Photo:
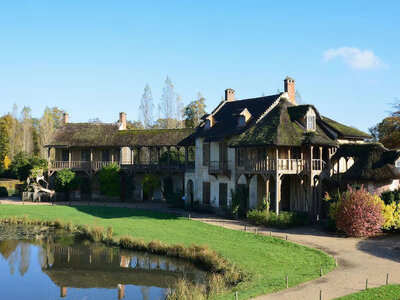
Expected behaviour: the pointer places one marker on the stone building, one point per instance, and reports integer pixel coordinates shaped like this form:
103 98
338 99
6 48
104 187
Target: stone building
265 146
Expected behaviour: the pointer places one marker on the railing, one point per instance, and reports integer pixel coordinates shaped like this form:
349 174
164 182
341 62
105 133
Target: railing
256 165
97 165
319 164
218 166
284 165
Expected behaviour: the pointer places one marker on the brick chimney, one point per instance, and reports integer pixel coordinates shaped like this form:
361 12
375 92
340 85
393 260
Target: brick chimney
122 121
290 89
65 118
229 95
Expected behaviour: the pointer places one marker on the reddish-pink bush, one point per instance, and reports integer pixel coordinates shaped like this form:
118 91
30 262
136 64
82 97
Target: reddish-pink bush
358 213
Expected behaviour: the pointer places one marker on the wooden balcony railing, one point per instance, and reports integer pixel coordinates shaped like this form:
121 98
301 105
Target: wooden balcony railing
284 165
97 165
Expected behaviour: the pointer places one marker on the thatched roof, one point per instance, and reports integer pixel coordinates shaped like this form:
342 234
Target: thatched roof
108 135
372 162
281 128
344 131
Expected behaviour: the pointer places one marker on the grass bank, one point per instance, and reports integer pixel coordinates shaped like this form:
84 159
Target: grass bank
386 292
266 260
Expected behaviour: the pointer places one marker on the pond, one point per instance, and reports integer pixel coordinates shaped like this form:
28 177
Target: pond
38 263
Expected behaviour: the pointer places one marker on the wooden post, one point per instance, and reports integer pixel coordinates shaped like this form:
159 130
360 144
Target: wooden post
112 155
320 158
311 158
366 284
158 156
150 163
236 295
69 158
277 181
387 278
321 273
289 162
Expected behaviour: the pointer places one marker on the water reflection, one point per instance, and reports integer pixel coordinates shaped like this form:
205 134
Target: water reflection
88 270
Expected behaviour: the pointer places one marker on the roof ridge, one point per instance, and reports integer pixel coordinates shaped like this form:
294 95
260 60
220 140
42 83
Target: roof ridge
269 108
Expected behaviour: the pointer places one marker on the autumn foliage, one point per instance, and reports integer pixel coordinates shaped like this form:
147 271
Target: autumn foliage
358 213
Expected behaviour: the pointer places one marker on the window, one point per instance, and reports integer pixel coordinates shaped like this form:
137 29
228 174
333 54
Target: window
207 124
223 153
85 155
206 154
206 193
242 121
65 155
310 122
223 194
105 155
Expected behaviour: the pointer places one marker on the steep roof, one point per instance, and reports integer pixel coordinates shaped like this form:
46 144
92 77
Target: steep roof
343 130
372 162
281 128
108 135
227 114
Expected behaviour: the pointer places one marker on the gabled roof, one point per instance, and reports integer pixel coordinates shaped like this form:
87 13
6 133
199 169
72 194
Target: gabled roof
279 128
372 161
226 117
108 135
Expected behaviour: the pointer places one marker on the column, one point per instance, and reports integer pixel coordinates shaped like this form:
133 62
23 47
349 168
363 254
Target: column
69 158
311 158
277 182
150 163
320 158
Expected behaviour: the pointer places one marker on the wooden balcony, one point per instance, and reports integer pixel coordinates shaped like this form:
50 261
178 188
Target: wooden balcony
220 168
97 165
287 166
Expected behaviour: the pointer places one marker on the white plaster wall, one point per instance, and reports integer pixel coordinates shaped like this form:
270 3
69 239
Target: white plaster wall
201 174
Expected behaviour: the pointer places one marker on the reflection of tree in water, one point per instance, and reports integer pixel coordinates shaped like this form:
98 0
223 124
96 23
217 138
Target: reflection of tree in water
25 258
145 290
16 253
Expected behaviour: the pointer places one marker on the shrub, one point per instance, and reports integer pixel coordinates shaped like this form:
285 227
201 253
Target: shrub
358 213
109 178
150 182
285 219
66 180
391 213
3 191
391 196
22 165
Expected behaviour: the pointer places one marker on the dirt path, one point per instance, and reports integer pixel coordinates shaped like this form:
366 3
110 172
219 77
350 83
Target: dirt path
358 259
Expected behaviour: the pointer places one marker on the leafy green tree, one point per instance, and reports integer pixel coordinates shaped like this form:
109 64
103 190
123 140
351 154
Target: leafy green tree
110 183
194 111
150 182
23 163
388 131
66 180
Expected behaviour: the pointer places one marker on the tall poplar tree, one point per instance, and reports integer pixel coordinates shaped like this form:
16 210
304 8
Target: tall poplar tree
146 108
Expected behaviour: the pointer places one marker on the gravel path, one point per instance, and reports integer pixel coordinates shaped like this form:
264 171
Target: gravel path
358 259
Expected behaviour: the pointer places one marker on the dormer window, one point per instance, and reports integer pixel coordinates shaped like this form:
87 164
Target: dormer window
310 122
242 121
207 124
244 116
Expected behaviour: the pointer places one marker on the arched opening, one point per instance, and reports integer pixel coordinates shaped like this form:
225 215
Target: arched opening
189 191
306 194
242 191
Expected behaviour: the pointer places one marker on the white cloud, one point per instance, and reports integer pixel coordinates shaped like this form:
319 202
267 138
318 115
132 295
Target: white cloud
355 57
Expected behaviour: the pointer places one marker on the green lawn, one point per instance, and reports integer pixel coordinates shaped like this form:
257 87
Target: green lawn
268 260
386 292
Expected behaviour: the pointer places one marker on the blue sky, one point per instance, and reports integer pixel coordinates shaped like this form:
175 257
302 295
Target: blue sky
93 58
